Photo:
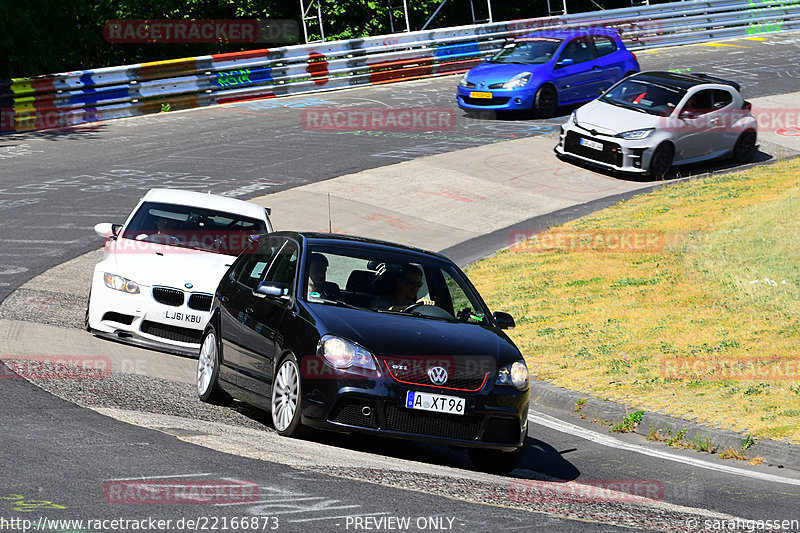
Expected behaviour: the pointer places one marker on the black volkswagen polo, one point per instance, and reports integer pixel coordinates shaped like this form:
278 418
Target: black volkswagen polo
356 335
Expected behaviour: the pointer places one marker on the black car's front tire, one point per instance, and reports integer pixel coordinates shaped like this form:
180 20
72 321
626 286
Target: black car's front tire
208 361
286 394
496 461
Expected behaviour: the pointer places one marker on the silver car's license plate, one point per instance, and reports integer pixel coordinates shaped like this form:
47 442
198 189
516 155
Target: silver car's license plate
588 143
438 403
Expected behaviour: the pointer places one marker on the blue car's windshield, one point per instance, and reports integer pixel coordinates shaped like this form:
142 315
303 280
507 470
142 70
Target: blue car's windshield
644 96
528 51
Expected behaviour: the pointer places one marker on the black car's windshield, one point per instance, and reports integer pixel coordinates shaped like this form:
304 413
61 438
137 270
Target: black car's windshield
390 282
192 227
645 96
528 51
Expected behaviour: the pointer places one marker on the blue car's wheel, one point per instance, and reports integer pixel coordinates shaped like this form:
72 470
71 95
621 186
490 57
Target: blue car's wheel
545 102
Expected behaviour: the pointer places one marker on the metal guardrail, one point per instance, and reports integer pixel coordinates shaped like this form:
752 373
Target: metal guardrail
72 98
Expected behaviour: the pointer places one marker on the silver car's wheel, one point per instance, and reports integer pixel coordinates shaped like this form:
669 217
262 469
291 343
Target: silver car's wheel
208 371
286 391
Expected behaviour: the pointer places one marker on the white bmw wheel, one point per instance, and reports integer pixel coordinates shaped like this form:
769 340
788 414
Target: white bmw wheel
206 363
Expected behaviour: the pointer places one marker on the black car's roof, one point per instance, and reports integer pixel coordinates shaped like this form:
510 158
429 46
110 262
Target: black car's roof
684 81
335 238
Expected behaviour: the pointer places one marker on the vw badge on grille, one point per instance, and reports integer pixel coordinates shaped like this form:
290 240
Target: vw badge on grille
437 375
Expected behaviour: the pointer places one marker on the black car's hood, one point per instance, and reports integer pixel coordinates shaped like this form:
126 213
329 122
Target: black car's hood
403 335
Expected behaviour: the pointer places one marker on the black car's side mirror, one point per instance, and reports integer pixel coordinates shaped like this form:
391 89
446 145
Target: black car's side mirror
272 289
503 320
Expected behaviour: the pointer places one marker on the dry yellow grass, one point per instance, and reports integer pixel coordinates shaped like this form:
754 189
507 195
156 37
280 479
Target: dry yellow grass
618 325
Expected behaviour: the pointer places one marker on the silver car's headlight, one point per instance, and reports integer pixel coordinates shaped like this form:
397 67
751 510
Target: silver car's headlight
514 374
520 80
636 134
118 283
342 354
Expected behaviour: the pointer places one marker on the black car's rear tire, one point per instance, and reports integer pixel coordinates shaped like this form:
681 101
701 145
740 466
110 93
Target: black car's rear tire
496 461
661 162
545 103
745 147
208 361
286 394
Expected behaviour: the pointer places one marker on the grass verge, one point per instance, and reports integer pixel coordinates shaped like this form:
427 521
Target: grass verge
684 301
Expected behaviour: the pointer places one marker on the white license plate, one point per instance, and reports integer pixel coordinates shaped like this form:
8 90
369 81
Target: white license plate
594 145
184 318
435 402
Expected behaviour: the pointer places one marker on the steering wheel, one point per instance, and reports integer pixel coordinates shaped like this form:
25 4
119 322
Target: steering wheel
427 310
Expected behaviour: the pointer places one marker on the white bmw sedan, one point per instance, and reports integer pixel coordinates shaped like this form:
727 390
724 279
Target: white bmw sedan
156 282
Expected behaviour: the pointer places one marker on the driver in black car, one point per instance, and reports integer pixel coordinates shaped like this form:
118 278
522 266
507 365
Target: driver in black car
404 292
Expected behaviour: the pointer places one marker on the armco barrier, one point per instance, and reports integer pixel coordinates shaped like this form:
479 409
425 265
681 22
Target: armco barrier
72 98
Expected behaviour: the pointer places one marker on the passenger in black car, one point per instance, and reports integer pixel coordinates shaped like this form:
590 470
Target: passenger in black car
317 286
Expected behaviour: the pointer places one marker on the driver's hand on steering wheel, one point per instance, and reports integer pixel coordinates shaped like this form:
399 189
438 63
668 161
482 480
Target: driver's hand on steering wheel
426 301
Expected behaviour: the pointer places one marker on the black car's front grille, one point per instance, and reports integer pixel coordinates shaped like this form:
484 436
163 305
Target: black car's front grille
167 296
200 302
434 425
351 412
498 100
465 373
173 333
503 430
118 317
610 154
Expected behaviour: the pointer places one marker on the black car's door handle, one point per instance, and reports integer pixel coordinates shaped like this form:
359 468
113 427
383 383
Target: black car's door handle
249 310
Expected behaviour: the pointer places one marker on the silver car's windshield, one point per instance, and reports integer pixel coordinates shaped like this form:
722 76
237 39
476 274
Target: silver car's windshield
528 51
644 96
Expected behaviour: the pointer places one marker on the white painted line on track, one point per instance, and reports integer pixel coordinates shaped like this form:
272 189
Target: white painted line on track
606 440
158 477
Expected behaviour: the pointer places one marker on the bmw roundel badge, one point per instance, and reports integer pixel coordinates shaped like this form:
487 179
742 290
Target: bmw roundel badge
188 285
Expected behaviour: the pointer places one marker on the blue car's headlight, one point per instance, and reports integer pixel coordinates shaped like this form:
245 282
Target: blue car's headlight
464 83
514 374
636 134
520 80
341 353
118 283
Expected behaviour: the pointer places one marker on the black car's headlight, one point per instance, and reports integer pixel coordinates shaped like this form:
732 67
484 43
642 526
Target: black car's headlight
118 283
515 374
342 354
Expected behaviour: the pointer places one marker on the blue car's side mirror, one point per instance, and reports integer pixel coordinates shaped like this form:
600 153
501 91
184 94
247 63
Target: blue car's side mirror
567 61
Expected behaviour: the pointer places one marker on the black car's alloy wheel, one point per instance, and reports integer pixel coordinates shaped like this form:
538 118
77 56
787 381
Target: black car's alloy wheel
545 102
286 390
208 371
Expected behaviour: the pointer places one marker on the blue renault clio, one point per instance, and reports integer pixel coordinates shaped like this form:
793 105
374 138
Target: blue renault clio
548 69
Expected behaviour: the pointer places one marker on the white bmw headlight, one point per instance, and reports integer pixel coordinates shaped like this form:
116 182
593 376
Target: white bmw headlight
514 374
118 283
341 353
636 134
520 80
574 117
